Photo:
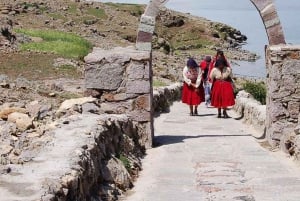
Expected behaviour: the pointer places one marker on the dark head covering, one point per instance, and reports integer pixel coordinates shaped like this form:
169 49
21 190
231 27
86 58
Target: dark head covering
220 52
207 58
220 62
191 63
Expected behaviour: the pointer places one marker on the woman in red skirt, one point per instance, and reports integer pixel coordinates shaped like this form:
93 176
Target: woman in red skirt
219 55
222 95
192 92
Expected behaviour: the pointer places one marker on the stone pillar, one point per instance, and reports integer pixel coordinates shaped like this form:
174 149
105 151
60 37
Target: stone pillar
145 32
122 80
283 94
147 25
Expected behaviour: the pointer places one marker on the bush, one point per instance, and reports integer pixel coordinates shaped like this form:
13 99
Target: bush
125 162
257 90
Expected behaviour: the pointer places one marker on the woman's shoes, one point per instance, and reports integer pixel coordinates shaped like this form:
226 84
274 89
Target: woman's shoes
225 115
196 112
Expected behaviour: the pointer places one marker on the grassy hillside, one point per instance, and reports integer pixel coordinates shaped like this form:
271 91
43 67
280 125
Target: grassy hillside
44 30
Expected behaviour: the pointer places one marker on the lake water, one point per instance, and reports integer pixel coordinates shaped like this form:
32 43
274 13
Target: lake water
242 15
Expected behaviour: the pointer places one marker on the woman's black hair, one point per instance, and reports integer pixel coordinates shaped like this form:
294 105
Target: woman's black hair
221 62
220 52
191 63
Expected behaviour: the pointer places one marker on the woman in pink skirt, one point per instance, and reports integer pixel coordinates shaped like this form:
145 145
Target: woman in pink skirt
222 95
192 92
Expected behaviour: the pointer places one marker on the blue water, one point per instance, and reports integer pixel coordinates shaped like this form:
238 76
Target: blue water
242 15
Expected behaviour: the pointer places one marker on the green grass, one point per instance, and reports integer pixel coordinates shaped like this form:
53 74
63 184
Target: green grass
57 16
64 44
193 43
158 83
29 5
99 13
125 162
257 90
191 37
133 9
88 20
66 69
35 66
72 8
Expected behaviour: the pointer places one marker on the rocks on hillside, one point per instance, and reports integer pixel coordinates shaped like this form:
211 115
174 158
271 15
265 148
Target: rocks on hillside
7 37
233 36
169 19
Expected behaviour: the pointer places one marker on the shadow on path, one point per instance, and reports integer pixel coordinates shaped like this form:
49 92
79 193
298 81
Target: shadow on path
204 115
171 139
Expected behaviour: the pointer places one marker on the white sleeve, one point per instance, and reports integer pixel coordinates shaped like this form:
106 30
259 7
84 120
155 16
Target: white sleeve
184 72
227 73
199 78
212 74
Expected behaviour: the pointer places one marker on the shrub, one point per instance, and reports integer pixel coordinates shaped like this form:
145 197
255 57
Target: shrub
125 162
257 90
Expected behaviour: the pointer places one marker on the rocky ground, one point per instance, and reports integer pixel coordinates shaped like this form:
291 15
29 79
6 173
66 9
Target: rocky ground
33 86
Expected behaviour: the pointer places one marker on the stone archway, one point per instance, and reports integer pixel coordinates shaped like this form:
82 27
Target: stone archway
266 9
283 72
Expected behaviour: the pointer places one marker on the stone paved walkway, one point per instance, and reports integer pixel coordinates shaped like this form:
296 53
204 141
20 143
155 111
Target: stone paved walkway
203 158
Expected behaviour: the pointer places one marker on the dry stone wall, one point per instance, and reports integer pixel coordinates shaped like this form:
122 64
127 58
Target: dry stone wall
90 157
121 79
85 154
283 95
251 111
163 97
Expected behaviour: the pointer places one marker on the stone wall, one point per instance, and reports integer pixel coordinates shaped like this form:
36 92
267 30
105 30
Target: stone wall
107 155
283 94
121 79
92 157
86 155
163 97
251 112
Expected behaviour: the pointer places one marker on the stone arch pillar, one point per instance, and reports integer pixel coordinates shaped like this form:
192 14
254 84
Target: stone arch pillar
268 13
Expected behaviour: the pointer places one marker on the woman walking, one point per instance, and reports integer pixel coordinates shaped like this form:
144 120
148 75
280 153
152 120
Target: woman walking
222 95
192 92
219 55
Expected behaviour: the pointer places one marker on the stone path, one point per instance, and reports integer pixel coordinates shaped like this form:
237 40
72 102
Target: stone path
209 159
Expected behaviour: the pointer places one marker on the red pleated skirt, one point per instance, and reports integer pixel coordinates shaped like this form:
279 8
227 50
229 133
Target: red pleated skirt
222 94
191 96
